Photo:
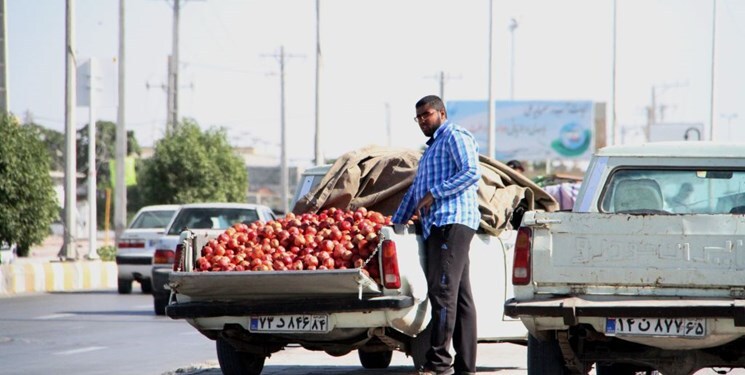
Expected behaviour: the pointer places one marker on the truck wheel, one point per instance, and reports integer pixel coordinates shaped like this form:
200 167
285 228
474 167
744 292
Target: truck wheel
544 357
160 303
124 286
146 286
233 362
375 359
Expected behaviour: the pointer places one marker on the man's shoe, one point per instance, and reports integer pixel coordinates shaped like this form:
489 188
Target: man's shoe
447 371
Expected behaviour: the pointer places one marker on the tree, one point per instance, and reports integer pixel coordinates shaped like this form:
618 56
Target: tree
28 203
190 166
54 143
105 152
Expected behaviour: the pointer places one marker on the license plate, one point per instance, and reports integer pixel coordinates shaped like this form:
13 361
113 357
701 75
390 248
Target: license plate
678 327
290 323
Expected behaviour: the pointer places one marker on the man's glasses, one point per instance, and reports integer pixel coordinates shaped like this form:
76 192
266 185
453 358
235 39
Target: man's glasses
423 116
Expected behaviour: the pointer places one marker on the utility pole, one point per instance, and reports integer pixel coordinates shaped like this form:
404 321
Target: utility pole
613 77
652 109
713 68
491 148
283 163
512 27
318 157
441 78
173 72
4 101
120 147
70 232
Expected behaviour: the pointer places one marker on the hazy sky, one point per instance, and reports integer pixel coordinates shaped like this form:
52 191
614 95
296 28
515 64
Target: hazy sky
379 58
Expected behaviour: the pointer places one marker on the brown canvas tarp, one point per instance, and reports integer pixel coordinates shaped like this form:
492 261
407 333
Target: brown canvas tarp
377 178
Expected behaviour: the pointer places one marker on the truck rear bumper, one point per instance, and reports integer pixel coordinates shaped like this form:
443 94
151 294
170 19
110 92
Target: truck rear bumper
210 309
570 309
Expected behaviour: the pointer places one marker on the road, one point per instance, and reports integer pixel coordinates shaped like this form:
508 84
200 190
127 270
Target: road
102 332
92 333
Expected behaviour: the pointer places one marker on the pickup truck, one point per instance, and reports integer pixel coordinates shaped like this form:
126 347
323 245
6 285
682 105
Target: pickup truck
638 277
253 314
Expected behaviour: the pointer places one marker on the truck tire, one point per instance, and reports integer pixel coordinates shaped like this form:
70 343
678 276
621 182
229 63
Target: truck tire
159 303
124 286
544 357
375 359
233 362
146 286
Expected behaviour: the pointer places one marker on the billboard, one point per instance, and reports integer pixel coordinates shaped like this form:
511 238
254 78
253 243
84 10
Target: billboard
530 130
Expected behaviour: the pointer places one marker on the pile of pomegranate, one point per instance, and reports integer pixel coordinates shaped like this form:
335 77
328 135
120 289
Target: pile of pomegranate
331 239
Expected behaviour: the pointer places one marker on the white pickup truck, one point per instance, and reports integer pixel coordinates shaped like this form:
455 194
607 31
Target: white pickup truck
336 311
647 273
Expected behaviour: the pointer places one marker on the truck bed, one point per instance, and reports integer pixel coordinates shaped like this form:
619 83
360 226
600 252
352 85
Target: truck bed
250 285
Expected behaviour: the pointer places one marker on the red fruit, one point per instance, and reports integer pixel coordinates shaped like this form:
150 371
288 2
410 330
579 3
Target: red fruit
329 263
219 250
223 238
327 245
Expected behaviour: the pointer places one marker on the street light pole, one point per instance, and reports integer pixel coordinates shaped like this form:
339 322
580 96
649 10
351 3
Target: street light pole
512 27
489 104
713 68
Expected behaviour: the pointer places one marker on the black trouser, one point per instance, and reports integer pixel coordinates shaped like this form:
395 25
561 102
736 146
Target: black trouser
453 308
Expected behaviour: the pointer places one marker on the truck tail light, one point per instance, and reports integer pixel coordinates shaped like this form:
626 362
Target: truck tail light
164 256
391 277
178 262
521 262
131 244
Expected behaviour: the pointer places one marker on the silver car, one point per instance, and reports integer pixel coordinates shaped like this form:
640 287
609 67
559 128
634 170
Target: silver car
135 248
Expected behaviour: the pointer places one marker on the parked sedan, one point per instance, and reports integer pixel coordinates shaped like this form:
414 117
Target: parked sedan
135 248
199 217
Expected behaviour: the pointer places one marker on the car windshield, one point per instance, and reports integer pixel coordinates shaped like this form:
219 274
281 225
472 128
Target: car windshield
211 218
680 191
152 219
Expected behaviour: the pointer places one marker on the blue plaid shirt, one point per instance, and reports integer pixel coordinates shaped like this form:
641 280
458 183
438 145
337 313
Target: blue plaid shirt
449 169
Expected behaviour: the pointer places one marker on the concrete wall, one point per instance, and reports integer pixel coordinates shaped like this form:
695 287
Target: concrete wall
34 277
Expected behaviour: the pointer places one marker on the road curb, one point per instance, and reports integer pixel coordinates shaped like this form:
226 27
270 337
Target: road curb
56 276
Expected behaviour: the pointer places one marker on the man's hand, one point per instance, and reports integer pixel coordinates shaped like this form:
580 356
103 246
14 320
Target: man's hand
422 208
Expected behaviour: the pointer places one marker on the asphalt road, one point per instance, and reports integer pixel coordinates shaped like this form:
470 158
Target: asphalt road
91 333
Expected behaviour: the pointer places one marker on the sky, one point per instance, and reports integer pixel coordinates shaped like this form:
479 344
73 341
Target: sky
378 59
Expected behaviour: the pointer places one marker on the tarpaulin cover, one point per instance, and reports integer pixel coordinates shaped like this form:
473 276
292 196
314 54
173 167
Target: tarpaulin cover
377 178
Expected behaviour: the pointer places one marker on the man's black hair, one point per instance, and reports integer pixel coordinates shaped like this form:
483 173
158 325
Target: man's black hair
433 101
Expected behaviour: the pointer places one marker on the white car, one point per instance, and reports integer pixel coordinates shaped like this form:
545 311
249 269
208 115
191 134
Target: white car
212 218
135 248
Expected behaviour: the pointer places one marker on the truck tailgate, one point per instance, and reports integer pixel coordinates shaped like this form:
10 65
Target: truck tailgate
615 251
245 285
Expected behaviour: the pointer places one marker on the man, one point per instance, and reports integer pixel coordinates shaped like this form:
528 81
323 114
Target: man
444 196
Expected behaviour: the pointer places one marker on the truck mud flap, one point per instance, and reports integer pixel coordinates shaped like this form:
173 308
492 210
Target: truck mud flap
279 306
250 285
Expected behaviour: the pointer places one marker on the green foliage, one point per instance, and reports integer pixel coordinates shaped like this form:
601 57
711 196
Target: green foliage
54 142
105 151
107 253
191 166
28 203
